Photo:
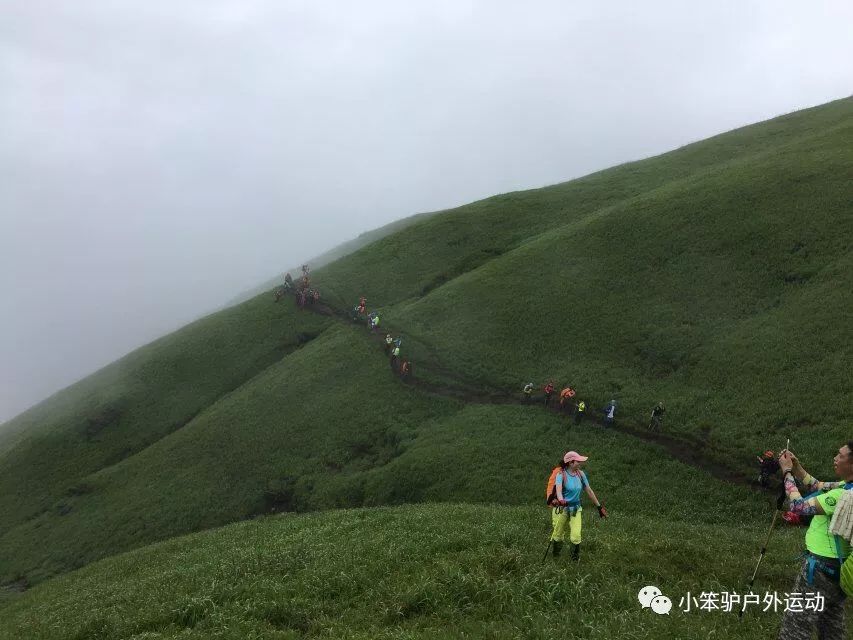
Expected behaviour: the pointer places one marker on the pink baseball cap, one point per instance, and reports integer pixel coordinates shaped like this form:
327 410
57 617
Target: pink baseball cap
572 456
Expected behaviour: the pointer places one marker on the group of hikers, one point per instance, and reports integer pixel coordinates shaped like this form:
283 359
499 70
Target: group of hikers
400 366
359 313
569 404
826 508
303 293
306 296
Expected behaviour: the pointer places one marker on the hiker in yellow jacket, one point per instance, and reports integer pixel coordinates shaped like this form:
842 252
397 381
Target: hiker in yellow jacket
580 411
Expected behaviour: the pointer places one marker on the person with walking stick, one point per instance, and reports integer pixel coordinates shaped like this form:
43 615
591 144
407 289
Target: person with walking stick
779 502
820 571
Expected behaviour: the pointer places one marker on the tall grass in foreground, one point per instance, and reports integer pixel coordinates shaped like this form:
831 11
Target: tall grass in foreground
429 571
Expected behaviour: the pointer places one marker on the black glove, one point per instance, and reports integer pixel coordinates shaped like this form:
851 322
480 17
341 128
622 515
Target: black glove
602 512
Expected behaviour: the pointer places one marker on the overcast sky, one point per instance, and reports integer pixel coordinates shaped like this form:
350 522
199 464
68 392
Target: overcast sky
158 158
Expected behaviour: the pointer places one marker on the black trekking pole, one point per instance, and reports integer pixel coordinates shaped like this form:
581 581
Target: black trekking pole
761 555
547 549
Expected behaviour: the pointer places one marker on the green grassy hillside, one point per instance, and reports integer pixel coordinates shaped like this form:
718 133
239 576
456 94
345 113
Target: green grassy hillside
296 438
430 571
716 277
727 293
48 452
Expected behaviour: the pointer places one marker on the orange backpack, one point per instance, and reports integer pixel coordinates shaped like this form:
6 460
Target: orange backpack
551 488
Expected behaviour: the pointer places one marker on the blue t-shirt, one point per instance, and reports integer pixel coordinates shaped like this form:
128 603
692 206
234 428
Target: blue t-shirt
572 486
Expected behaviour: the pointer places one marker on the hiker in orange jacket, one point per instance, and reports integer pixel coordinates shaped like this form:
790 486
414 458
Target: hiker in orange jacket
565 396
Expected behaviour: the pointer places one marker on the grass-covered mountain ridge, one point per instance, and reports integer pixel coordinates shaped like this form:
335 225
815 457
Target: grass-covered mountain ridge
717 277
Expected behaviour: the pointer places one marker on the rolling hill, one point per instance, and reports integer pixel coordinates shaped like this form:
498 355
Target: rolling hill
716 277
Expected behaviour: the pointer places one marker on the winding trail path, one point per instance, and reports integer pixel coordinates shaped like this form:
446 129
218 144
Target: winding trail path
692 452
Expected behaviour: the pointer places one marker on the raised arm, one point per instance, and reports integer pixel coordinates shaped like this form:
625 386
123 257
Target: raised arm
797 503
809 482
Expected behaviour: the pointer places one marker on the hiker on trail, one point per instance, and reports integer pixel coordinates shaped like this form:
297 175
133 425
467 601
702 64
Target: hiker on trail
657 416
362 303
827 544
388 342
610 413
767 467
316 296
405 369
563 495
565 395
373 321
282 290
528 392
395 357
549 390
398 341
580 411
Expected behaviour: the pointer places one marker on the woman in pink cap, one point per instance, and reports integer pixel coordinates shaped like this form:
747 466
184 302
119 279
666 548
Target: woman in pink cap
565 501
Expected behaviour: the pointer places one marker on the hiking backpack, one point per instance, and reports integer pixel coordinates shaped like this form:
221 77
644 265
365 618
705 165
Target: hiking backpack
551 487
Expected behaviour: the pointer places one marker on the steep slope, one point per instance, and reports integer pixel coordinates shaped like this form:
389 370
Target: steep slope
728 293
294 438
126 407
425 255
716 277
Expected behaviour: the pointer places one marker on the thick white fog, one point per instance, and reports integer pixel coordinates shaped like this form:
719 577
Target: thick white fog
158 158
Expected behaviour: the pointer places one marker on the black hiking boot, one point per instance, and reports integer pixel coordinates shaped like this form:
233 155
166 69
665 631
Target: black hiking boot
557 547
576 552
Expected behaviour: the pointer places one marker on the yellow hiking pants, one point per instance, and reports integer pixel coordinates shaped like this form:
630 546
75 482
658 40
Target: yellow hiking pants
559 517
